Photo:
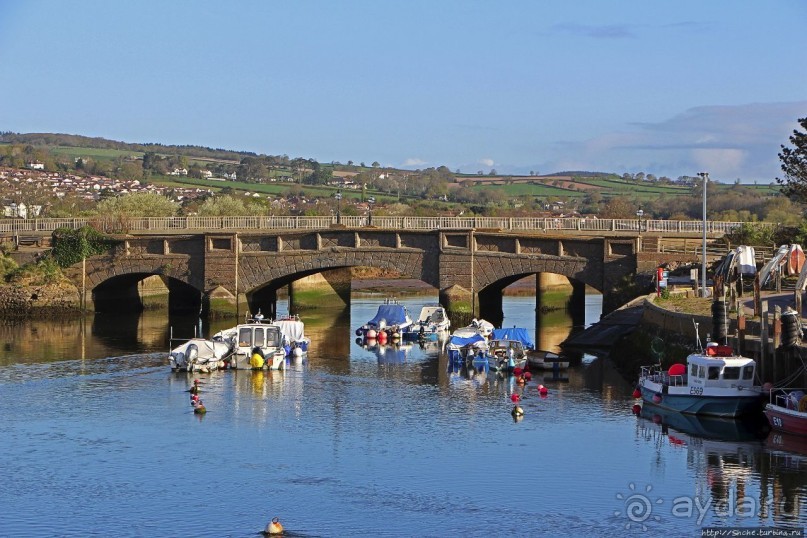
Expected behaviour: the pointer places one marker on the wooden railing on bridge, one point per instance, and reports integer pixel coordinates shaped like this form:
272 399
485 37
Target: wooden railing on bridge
248 223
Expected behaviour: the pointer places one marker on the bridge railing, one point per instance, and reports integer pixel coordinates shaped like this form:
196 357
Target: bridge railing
257 222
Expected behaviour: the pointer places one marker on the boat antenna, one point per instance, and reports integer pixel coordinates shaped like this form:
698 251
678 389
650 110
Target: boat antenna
697 336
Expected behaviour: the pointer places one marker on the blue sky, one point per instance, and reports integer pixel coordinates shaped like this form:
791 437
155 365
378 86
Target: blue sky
669 88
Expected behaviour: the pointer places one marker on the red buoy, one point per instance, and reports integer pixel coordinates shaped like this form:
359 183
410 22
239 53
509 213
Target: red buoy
527 376
637 409
637 393
517 371
543 390
515 398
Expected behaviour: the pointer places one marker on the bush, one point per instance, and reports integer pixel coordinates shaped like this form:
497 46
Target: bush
43 271
71 246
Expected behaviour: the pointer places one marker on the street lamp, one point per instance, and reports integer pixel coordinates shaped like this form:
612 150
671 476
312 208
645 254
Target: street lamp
640 214
704 180
370 202
338 197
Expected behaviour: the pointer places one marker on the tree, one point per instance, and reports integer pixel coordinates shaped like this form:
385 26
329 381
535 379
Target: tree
794 165
138 205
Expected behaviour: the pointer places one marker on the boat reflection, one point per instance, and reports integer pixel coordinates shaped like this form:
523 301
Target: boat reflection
753 428
393 353
734 462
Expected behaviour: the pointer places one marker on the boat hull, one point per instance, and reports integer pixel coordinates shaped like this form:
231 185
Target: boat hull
716 406
786 420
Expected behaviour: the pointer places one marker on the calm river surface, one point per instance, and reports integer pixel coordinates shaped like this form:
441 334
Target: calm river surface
97 438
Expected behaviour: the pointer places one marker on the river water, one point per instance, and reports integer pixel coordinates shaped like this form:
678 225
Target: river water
98 439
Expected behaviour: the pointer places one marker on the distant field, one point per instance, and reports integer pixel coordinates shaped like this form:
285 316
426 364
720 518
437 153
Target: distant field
97 154
279 189
526 189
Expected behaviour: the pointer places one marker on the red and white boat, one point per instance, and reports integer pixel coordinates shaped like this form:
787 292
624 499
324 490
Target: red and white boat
787 410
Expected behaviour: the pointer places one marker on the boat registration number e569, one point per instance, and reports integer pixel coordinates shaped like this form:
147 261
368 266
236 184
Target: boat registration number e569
696 391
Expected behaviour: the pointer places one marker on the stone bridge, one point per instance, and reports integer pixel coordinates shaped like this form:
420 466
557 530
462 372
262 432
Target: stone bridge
234 271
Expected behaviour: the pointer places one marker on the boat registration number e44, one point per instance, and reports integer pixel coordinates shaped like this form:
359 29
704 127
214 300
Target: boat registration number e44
696 391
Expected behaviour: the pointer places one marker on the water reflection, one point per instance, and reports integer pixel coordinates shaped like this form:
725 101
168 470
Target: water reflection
332 426
736 472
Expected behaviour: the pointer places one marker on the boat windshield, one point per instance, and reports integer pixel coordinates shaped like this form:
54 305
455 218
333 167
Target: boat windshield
260 338
245 337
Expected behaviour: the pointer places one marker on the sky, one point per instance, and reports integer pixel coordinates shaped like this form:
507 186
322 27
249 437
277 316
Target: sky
519 86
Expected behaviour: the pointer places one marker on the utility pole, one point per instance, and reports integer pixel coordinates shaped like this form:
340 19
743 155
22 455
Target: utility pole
704 180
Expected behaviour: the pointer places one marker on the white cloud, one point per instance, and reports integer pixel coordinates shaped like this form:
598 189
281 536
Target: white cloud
414 161
486 162
729 142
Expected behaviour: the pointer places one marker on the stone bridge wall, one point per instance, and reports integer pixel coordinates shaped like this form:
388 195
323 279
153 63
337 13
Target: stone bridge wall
469 260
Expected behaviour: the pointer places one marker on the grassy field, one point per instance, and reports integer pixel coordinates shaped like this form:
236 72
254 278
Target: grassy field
526 189
97 154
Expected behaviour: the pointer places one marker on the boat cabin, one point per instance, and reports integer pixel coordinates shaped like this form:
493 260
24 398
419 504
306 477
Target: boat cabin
502 348
252 335
729 372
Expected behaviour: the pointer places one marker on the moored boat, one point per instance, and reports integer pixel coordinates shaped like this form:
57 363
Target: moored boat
256 344
295 343
199 355
506 355
477 326
787 411
431 322
467 348
715 381
540 359
391 319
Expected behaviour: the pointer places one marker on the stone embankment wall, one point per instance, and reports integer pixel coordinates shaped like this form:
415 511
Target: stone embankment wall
43 301
679 323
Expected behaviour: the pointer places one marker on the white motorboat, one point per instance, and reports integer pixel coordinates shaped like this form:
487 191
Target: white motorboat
477 326
256 344
199 355
432 321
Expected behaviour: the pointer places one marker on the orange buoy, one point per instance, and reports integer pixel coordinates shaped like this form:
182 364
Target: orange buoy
274 527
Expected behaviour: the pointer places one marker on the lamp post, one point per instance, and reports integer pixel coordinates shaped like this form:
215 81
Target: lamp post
704 180
338 197
640 214
370 202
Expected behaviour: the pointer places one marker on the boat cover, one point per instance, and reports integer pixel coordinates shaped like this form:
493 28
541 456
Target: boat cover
461 341
293 330
390 314
514 333
746 262
773 265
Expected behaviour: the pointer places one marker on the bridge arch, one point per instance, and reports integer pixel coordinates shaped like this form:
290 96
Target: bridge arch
136 291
